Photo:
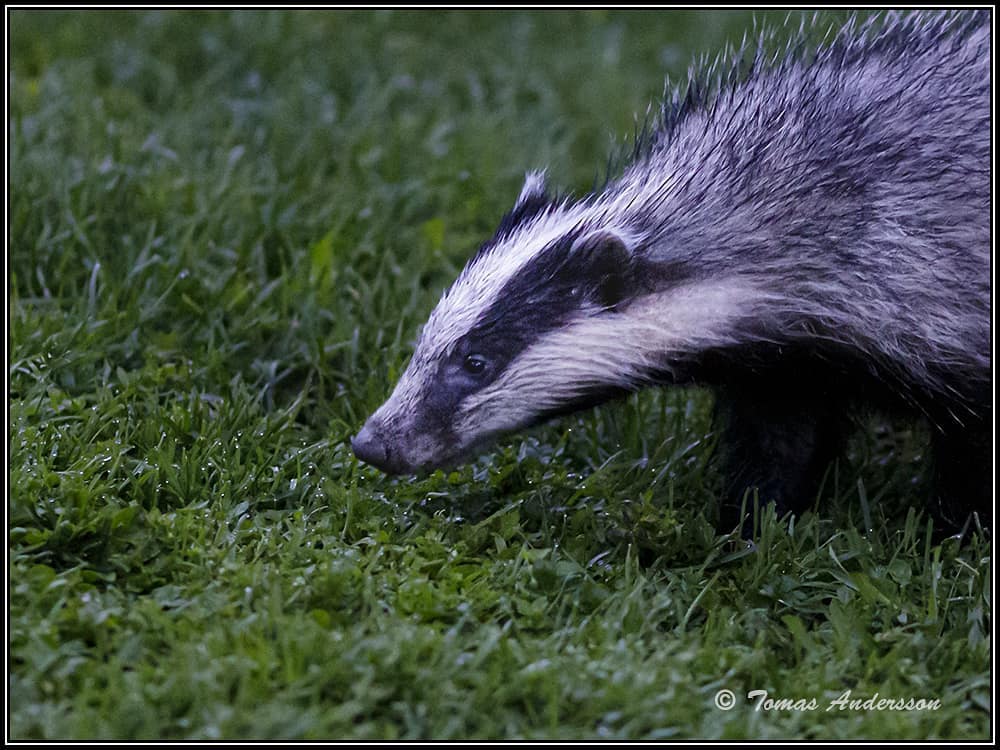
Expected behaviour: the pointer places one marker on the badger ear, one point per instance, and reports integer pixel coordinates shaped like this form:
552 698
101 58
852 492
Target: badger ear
533 190
604 256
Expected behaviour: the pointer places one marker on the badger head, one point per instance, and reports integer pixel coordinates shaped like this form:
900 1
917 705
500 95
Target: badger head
557 312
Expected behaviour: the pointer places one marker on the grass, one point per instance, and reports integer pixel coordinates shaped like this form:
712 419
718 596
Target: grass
225 229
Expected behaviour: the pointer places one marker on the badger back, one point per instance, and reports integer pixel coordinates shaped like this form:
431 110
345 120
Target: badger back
852 183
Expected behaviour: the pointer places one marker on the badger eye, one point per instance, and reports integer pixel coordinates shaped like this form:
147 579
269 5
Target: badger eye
474 364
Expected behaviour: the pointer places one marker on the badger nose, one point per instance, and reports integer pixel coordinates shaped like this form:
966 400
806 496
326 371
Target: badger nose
369 446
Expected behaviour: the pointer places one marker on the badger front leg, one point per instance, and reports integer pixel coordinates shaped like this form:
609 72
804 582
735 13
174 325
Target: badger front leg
775 446
962 460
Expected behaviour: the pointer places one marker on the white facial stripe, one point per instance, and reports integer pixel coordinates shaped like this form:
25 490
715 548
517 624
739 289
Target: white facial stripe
610 350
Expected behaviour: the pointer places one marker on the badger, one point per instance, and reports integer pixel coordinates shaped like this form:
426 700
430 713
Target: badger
807 233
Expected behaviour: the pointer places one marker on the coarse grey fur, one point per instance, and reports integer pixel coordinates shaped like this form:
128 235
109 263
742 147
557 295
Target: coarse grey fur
808 233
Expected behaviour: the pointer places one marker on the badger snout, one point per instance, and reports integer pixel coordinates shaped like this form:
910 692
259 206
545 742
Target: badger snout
371 446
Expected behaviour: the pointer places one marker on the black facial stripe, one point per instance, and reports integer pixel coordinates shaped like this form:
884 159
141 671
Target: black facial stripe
548 292
541 297
436 411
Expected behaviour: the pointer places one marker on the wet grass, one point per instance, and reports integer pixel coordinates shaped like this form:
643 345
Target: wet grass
225 229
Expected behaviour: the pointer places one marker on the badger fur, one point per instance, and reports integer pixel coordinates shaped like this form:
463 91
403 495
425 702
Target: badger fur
807 234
